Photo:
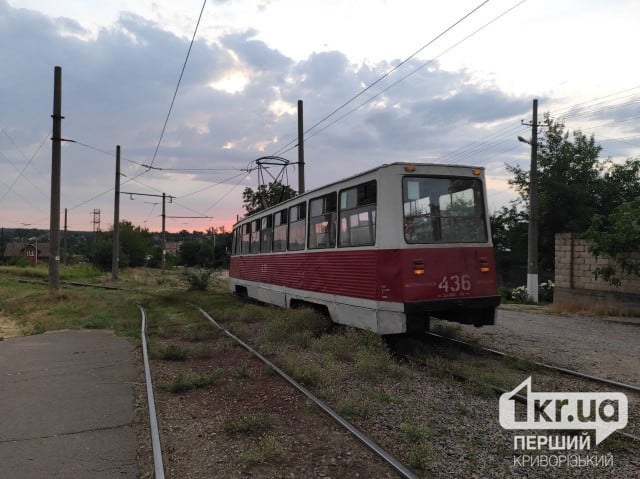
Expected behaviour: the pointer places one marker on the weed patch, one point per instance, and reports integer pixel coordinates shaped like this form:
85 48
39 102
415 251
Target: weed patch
420 456
267 451
351 408
253 424
189 381
173 353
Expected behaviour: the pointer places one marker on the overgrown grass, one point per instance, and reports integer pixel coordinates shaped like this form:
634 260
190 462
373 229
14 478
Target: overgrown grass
420 456
172 352
310 374
201 330
268 450
189 381
355 407
253 424
303 324
448 330
420 451
35 310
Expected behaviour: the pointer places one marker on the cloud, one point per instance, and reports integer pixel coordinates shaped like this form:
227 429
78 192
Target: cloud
117 89
255 53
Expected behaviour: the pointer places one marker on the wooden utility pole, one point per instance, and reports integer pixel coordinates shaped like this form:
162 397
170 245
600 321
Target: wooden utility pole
115 255
54 224
300 149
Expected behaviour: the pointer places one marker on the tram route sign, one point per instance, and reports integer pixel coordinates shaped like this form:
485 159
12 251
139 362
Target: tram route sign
603 412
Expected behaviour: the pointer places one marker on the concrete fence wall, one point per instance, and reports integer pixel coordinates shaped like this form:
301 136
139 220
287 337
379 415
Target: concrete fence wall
576 284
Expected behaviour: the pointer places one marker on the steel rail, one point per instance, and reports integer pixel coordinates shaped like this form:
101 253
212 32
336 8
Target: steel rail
153 421
388 458
550 367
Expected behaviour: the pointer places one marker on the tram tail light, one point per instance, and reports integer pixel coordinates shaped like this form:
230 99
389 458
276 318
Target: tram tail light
484 265
418 268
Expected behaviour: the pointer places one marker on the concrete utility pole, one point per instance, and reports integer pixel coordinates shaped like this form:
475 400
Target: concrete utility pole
115 256
164 197
300 149
64 240
532 251
164 239
54 224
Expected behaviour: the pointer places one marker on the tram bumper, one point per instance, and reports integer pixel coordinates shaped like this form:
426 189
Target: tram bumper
479 311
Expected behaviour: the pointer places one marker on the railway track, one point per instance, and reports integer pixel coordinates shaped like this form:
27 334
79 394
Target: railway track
446 440
158 465
549 367
159 472
476 349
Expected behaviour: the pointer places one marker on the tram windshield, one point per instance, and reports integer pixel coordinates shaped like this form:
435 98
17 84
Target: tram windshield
443 210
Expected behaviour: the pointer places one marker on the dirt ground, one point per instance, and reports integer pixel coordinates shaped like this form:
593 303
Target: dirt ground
251 423
607 347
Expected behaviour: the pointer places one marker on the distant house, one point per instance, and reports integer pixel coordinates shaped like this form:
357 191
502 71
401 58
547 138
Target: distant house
172 247
34 252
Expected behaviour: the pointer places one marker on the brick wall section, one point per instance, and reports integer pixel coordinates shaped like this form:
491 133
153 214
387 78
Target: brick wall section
574 280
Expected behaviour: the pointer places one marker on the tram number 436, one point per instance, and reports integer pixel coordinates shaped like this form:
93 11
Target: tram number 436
453 283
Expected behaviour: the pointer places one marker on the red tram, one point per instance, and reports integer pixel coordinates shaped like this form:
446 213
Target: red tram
383 250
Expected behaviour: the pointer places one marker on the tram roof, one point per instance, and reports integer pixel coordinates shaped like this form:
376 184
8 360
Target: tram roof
349 178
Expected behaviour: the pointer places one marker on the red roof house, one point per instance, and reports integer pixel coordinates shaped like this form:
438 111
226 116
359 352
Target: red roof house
34 252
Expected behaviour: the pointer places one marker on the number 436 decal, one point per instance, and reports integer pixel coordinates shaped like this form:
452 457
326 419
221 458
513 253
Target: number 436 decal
454 283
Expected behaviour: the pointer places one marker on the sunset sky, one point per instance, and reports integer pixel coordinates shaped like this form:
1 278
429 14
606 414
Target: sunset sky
460 99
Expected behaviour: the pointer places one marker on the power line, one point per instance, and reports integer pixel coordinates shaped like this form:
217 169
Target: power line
213 185
413 72
175 93
561 110
20 173
437 37
224 196
470 150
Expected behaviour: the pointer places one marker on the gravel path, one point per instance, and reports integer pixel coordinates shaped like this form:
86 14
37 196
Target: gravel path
602 346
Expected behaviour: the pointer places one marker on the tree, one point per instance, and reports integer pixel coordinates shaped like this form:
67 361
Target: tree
620 185
195 253
618 237
135 245
266 196
569 185
509 229
574 186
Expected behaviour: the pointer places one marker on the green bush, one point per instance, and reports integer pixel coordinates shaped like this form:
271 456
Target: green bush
519 294
20 261
198 280
545 292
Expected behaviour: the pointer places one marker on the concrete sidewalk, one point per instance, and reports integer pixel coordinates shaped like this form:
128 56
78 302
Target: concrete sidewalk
67 406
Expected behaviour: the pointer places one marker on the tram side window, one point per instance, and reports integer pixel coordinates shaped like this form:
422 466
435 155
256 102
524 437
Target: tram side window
322 222
238 242
266 234
255 236
246 238
233 242
358 215
297 227
280 231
